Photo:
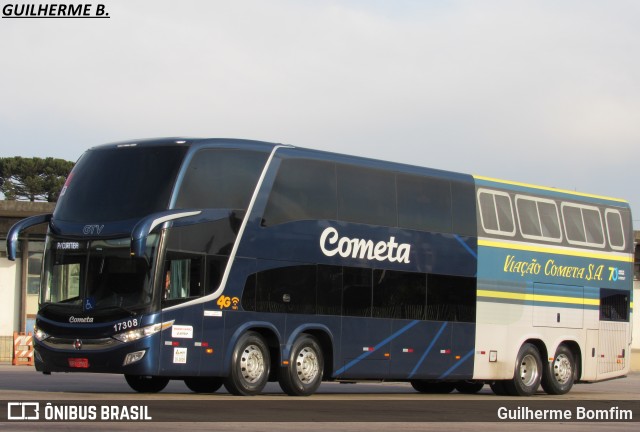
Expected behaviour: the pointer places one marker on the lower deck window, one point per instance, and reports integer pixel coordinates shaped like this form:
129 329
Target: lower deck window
614 305
361 292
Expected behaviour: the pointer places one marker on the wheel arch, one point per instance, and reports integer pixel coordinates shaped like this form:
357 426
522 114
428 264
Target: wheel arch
269 333
541 346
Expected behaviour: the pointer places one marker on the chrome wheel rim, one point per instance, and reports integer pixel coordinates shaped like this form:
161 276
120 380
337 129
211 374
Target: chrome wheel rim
562 369
307 366
252 364
529 370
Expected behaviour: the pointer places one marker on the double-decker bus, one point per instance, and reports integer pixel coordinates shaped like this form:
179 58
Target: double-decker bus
235 263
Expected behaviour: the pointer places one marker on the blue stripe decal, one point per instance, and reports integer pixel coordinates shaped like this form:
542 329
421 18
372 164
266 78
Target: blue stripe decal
466 246
455 366
380 345
426 353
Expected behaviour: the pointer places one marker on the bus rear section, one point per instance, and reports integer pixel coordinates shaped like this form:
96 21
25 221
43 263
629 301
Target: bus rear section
554 287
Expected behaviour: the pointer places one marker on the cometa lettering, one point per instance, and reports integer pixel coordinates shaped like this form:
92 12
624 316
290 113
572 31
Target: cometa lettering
80 320
332 244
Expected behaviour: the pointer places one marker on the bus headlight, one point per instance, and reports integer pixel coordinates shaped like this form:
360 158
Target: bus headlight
142 332
39 334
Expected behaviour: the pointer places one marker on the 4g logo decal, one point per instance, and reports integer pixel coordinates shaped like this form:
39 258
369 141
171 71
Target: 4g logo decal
228 302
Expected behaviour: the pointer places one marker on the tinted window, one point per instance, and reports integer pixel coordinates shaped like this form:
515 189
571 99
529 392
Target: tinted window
583 225
463 205
505 213
614 229
528 217
573 224
329 290
303 190
120 183
614 305
538 218
549 220
451 298
496 212
366 196
356 295
488 212
221 178
424 203
399 294
287 289
593 226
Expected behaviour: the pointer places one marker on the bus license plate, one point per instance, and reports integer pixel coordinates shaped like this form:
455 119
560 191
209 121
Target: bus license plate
82 363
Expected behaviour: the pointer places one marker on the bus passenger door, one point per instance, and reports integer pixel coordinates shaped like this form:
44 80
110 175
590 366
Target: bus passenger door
181 348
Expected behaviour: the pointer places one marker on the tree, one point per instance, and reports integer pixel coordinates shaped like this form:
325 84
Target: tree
33 179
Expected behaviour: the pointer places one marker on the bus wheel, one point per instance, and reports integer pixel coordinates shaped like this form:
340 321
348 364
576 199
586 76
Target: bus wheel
499 388
146 383
528 372
469 387
250 365
303 375
558 378
203 384
432 387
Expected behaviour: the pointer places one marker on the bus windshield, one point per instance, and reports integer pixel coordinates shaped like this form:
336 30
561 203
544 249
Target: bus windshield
114 183
89 276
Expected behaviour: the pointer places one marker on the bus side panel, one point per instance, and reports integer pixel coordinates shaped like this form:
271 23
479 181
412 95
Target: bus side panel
181 346
365 348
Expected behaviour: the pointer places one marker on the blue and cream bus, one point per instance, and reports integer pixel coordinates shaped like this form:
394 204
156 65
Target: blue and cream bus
235 263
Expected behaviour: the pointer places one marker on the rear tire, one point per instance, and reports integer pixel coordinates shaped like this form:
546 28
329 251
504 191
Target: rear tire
439 387
304 373
528 372
203 384
469 387
250 366
499 388
559 376
147 383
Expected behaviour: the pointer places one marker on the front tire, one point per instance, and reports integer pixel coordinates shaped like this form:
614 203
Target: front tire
250 366
559 376
146 383
527 373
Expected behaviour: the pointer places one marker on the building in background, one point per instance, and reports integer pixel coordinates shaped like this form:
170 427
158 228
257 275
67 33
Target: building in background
19 279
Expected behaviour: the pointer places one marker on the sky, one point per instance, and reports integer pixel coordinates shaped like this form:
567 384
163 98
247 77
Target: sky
542 92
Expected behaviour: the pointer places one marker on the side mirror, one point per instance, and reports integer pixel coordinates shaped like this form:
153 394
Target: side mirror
17 228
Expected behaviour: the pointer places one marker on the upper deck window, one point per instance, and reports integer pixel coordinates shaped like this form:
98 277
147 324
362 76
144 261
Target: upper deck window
221 178
538 218
583 225
496 212
303 190
367 196
110 184
424 203
615 231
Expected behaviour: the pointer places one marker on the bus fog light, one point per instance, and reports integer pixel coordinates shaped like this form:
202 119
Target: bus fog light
133 357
